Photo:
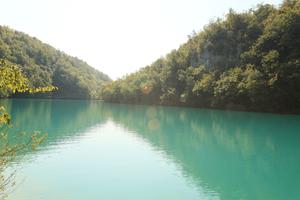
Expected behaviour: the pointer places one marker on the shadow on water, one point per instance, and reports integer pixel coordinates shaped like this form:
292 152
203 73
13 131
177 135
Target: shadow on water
239 155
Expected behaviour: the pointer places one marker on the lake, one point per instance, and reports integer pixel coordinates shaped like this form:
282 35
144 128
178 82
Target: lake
97 150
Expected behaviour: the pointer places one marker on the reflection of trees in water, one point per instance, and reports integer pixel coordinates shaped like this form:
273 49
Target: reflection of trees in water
228 151
12 145
59 118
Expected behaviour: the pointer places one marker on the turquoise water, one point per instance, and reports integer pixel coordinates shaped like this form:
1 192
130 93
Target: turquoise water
97 150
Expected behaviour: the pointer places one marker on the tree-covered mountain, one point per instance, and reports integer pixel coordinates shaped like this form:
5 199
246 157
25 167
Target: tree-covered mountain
247 61
44 66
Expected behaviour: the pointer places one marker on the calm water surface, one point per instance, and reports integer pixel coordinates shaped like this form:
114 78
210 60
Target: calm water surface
97 150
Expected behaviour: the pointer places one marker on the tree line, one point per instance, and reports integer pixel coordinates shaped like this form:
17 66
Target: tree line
43 65
246 61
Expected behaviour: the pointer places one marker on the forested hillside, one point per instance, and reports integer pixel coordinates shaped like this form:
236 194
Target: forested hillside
44 66
246 61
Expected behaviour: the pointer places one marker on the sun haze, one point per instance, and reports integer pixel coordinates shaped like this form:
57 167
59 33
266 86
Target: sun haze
116 36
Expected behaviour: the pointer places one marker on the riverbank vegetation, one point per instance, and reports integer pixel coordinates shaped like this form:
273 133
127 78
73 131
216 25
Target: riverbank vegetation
44 65
12 81
246 61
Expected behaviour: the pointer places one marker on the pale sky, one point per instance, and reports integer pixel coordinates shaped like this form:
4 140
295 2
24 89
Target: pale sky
116 36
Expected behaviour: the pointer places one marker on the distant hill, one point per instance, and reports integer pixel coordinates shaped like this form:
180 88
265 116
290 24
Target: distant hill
246 61
44 65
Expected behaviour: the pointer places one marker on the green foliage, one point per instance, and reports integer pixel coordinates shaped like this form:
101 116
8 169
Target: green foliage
12 81
248 61
44 65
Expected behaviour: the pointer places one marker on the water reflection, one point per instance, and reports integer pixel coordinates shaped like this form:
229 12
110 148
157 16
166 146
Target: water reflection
238 155
60 119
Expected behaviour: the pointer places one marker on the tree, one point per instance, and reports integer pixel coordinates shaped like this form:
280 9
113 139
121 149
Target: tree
43 65
247 61
12 81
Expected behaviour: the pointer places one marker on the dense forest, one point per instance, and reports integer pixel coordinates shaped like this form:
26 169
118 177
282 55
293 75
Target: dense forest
246 61
43 65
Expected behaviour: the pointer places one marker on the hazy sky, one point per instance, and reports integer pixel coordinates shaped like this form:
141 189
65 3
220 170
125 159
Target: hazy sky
116 36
